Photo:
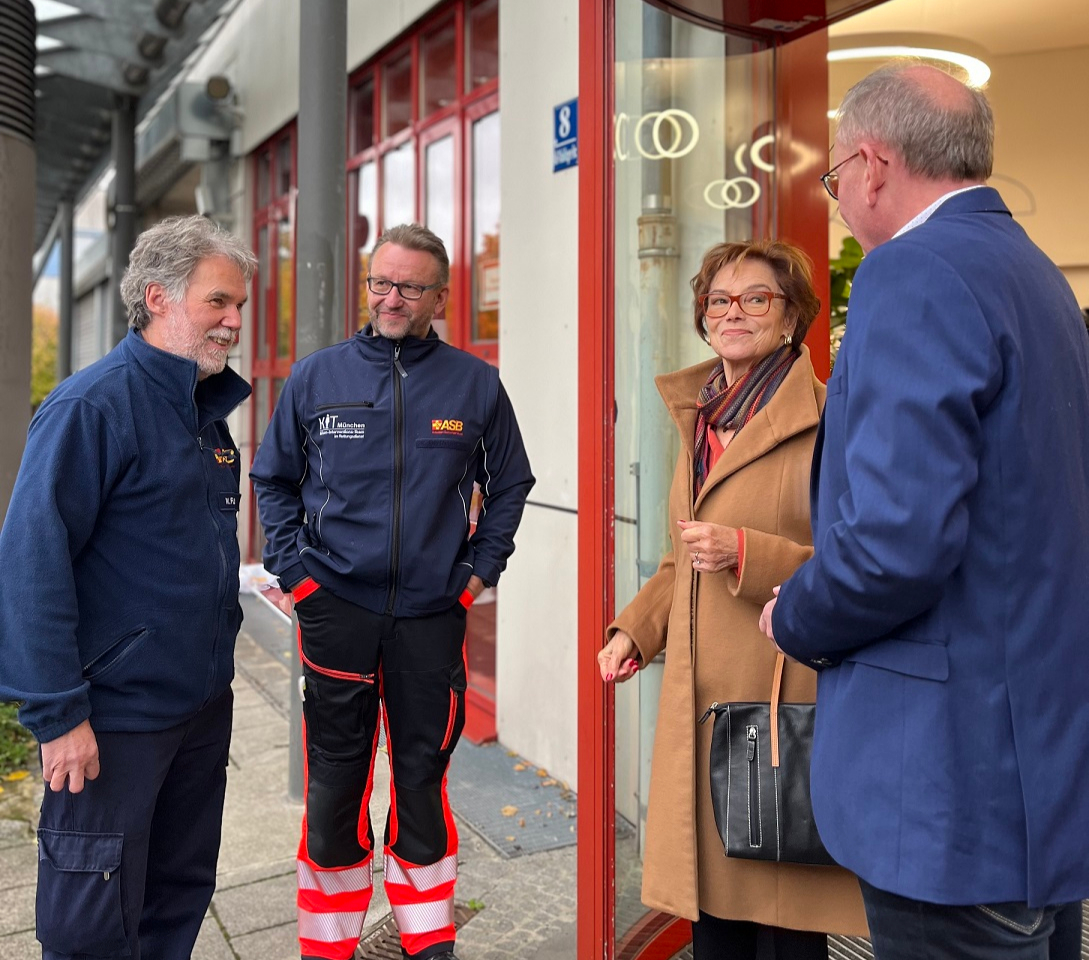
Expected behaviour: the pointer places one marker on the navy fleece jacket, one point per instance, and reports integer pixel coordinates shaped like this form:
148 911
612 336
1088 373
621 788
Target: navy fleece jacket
120 596
365 475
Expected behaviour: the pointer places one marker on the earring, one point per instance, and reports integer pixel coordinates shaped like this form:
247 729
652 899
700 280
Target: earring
787 339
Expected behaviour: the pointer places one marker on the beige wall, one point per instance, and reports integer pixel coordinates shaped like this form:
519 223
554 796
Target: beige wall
1041 151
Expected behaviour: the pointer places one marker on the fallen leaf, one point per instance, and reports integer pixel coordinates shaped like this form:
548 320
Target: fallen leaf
519 767
521 821
511 753
17 775
548 783
536 813
510 839
509 811
549 814
542 773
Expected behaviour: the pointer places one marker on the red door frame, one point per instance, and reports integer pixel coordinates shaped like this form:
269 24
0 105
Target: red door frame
801 77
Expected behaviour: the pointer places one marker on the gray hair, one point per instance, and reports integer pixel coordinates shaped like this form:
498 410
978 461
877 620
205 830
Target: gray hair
412 236
937 140
169 252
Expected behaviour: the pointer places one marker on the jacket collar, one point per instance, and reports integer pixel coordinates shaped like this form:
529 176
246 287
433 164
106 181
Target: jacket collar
795 408
212 398
981 200
374 347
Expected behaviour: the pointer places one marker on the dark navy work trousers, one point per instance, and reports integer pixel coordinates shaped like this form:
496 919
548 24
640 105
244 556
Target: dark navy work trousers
127 867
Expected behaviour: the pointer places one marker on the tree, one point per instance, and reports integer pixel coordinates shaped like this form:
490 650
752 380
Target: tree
43 358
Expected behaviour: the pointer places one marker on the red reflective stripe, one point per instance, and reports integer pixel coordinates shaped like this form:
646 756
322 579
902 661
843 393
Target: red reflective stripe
303 590
344 950
450 721
466 599
337 674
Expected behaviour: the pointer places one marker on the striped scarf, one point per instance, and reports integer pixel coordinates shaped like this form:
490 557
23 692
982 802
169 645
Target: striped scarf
733 406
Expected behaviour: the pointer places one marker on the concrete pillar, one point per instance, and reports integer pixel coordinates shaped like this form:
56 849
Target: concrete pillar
124 209
66 234
320 249
18 27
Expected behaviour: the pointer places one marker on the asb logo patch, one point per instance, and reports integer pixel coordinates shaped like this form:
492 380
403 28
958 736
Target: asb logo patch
447 427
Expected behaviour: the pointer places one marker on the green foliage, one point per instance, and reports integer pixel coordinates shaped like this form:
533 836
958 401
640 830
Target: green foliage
43 358
476 905
17 747
842 270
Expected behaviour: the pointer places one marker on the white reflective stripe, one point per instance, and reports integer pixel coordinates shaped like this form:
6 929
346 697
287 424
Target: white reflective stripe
331 927
424 917
328 882
422 878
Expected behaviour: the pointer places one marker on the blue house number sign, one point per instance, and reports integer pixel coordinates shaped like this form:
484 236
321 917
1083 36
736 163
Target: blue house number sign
565 135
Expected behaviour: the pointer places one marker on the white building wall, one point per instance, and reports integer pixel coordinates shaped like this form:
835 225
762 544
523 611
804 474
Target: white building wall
538 361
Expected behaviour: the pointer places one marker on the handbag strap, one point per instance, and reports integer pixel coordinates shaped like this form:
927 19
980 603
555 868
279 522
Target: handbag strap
776 683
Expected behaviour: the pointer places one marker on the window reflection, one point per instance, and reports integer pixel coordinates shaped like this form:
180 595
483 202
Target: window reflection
439 216
399 185
263 279
482 32
363 116
286 289
486 228
365 233
397 94
438 56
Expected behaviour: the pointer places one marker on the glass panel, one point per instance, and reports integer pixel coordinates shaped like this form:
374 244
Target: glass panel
365 225
693 154
283 167
363 116
439 216
264 177
264 276
482 37
399 186
486 228
438 56
397 95
285 279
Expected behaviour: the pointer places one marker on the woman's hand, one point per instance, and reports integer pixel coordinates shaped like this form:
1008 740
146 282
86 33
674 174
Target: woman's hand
711 546
618 660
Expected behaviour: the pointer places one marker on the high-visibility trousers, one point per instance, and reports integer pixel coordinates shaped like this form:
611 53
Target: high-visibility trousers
353 660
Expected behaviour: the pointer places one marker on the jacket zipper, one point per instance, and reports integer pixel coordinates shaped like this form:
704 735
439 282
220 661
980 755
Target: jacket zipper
222 561
398 468
450 721
342 406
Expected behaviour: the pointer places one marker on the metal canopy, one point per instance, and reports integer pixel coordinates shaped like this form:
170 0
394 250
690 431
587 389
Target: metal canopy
106 50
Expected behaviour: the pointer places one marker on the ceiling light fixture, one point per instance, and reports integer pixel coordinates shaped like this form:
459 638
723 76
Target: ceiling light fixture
978 72
922 46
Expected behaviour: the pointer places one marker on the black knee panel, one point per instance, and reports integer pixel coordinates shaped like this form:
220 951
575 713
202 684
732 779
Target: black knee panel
332 822
421 825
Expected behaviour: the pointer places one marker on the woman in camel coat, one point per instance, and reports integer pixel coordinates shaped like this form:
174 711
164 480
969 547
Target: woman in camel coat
739 522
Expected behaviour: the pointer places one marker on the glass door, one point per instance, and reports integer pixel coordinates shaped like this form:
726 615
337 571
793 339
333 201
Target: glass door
690 135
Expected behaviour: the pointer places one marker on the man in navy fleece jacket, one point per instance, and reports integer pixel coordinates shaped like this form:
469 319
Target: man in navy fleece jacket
119 606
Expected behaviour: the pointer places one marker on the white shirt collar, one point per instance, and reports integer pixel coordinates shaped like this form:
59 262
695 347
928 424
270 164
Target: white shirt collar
926 214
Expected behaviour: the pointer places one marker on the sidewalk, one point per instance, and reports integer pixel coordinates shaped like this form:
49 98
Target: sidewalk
528 902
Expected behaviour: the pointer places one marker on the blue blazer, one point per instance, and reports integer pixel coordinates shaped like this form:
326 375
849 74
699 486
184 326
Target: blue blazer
947 603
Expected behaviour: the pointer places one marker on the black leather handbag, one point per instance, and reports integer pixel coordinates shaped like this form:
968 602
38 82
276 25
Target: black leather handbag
760 779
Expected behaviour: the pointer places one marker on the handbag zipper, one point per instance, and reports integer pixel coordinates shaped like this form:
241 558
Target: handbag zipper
711 709
754 785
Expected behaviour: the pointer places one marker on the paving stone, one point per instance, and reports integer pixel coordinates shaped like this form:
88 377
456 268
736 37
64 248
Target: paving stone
211 944
276 943
19 866
16 911
256 906
20 946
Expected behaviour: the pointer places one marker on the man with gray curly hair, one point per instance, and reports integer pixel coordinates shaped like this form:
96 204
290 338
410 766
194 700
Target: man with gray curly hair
119 610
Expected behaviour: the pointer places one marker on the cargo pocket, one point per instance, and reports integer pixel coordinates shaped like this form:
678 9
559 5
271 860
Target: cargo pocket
79 893
340 710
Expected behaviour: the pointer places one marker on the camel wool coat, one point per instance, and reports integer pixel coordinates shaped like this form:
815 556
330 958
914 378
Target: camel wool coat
707 623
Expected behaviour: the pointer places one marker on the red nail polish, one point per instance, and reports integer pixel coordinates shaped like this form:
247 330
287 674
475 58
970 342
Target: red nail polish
608 678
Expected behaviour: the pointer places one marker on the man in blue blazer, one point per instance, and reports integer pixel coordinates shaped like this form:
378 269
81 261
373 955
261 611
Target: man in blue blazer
946 606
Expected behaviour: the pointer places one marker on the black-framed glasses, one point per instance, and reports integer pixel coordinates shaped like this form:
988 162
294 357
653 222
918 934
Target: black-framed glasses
755 303
409 291
831 178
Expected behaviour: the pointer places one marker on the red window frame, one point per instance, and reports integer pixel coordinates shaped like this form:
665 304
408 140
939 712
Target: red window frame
269 215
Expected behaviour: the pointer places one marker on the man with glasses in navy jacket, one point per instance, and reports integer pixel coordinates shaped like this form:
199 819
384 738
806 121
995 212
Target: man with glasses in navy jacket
364 480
